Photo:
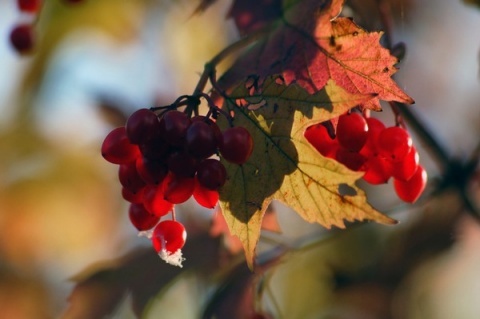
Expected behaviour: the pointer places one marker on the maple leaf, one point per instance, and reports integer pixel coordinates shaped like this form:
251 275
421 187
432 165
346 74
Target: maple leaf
311 45
284 166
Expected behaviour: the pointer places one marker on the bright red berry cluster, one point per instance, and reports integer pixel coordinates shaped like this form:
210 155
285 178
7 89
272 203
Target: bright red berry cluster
166 158
365 144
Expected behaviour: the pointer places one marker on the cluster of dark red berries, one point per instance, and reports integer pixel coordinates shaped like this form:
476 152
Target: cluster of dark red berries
365 144
166 158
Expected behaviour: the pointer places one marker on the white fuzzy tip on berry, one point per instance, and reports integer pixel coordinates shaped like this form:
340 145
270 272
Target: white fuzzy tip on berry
146 233
174 259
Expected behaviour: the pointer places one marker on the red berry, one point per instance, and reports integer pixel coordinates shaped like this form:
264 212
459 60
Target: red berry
211 174
169 235
151 171
142 126
237 145
411 190
205 197
178 189
318 136
141 218
352 160
352 131
378 170
182 164
22 38
394 143
200 140
374 128
156 149
135 198
30 6
173 127
404 170
129 177
154 201
117 149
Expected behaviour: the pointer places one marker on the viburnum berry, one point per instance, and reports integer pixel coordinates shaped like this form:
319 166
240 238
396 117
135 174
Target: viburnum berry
169 235
142 126
409 191
200 140
117 149
404 170
129 177
22 38
237 145
394 143
141 218
134 198
30 6
378 170
151 171
182 164
318 136
351 159
154 200
211 174
205 197
178 189
375 126
352 131
173 127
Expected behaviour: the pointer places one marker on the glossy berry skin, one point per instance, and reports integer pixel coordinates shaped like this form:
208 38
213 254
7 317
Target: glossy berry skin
237 145
151 171
211 174
141 218
378 170
182 164
117 149
200 140
411 190
352 131
169 235
406 168
394 143
204 196
375 126
22 38
134 198
154 201
30 6
173 127
318 136
142 126
129 177
178 189
352 160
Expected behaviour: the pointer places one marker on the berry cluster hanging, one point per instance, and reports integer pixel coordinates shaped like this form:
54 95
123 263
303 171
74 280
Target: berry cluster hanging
166 156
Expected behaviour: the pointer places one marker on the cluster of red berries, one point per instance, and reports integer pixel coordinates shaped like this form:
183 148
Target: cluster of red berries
365 144
166 158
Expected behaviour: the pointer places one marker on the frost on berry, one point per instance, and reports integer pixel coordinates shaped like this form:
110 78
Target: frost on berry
175 259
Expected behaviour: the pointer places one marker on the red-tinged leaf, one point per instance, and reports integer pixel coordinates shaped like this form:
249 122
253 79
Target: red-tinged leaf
311 45
251 15
284 165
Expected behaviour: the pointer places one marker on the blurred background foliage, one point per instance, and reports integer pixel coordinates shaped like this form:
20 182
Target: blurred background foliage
63 221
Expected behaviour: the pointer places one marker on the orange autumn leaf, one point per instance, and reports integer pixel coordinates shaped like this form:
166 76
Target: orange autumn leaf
310 47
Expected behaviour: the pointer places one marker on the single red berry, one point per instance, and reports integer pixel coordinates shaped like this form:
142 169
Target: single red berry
378 170
182 164
117 149
200 140
142 126
318 136
22 38
352 131
404 169
141 218
169 235
211 174
237 145
375 126
135 198
173 127
205 197
352 160
154 201
411 190
394 143
129 177
178 189
30 6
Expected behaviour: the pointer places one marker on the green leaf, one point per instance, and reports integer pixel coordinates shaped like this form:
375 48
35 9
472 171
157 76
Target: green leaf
284 166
